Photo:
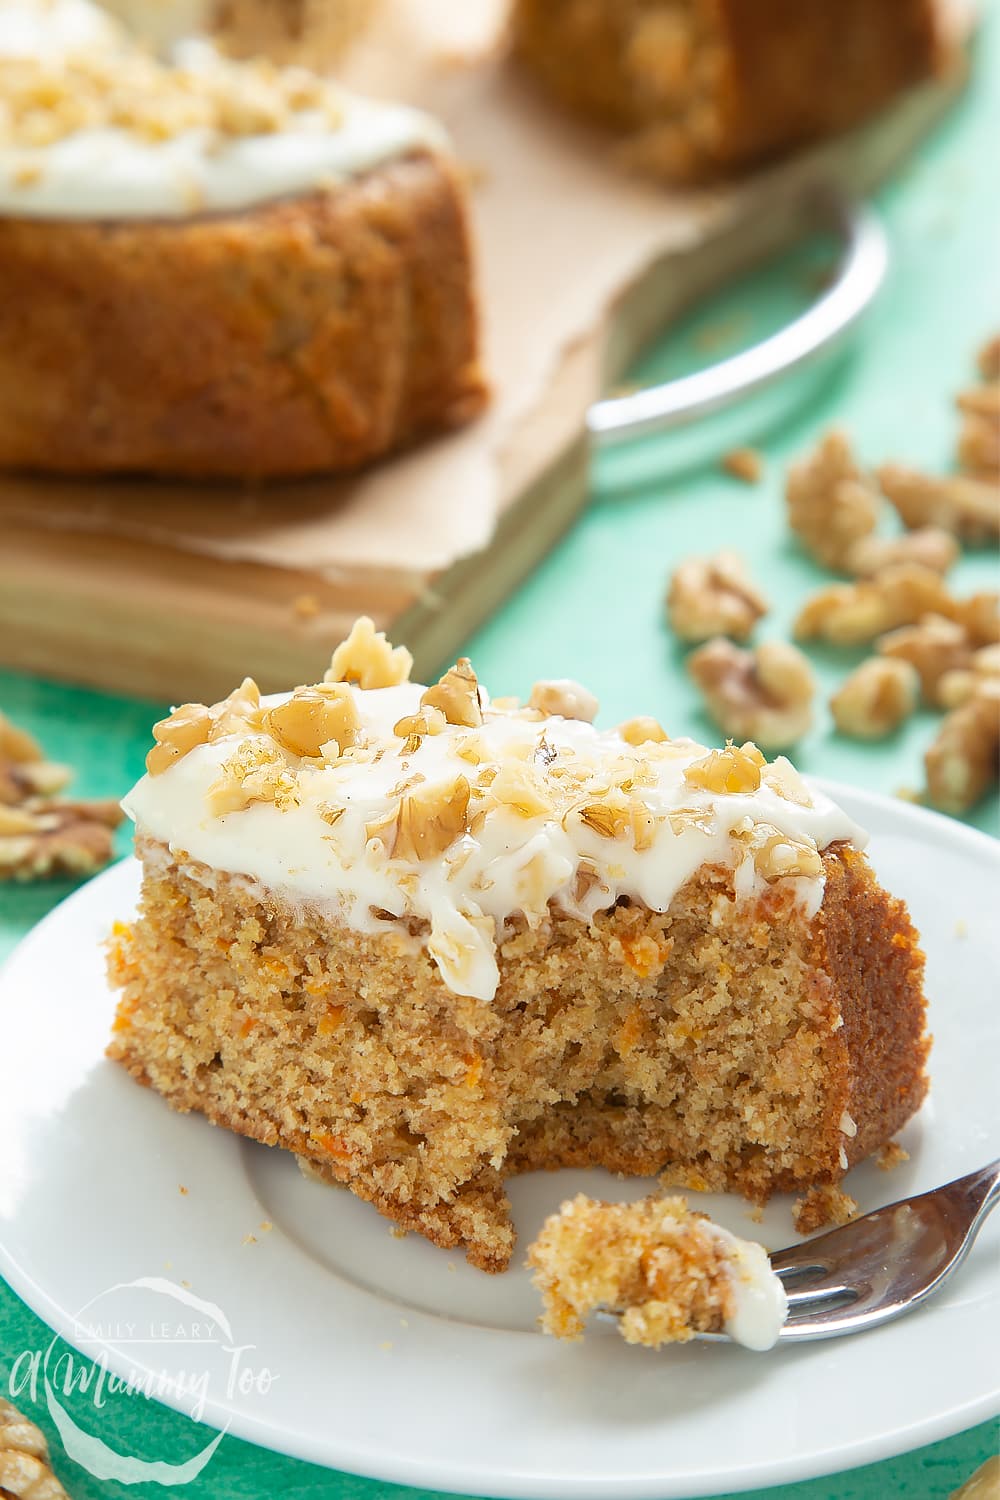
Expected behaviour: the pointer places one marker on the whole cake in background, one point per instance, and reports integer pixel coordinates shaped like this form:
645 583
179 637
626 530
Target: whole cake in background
426 940
218 269
699 88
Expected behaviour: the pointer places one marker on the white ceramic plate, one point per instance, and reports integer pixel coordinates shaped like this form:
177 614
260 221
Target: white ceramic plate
393 1359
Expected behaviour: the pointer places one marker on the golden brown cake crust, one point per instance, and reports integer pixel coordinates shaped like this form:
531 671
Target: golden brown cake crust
713 85
739 1053
304 336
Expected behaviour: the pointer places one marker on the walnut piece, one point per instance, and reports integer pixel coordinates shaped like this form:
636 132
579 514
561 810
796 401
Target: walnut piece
744 463
876 698
957 686
711 596
929 546
427 721
565 698
988 359
962 763
934 647
642 731
968 507
313 717
457 695
516 786
776 855
852 614
831 505
25 1472
179 732
979 433
423 824
764 695
367 658
980 616
735 769
256 772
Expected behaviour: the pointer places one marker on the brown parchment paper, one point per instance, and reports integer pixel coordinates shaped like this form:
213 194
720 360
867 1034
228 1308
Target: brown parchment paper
561 232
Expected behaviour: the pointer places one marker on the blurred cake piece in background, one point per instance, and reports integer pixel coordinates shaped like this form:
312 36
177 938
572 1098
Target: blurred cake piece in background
702 88
314 32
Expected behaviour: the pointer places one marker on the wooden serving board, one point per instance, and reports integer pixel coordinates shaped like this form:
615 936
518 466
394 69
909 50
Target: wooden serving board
177 592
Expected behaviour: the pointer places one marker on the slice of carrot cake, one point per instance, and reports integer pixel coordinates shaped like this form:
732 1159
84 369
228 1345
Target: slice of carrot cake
219 269
426 940
665 1272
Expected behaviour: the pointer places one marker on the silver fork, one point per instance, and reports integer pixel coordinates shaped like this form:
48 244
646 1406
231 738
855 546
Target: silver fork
883 1265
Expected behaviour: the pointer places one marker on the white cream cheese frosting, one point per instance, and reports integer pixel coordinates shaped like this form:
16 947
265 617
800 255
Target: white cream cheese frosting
121 135
550 810
760 1303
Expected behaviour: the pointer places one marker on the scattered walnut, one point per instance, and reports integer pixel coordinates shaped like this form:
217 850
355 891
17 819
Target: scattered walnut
181 731
851 614
642 731
876 698
565 698
979 434
777 856
713 596
934 647
980 615
423 824
313 717
427 721
17 745
988 359
765 695
962 762
744 463
966 506
25 1472
831 505
929 546
367 658
957 686
735 769
457 695
45 837
257 772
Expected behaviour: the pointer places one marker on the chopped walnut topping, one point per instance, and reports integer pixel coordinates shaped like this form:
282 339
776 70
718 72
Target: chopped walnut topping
764 695
181 731
565 698
423 824
711 596
238 712
312 718
516 785
457 695
962 762
367 658
980 617
744 463
851 614
929 546
782 777
967 507
832 506
427 721
610 818
876 698
256 772
777 856
934 647
643 731
957 686
735 769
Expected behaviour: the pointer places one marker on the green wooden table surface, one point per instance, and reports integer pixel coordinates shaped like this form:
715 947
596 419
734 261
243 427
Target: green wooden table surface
594 611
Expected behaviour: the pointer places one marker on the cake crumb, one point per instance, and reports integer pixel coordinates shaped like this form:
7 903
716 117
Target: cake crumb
907 794
249 1239
186 1285
386 1345
397 1232
266 1226
821 1206
451 1265
182 1190
404 1322
961 928
891 1155
755 1214
744 463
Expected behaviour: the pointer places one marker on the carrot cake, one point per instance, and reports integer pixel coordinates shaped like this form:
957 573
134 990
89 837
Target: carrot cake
219 269
665 1272
702 87
426 940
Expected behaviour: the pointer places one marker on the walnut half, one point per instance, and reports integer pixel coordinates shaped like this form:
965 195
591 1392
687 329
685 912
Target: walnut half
711 596
962 762
966 506
831 505
764 695
852 614
876 698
